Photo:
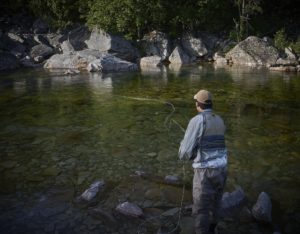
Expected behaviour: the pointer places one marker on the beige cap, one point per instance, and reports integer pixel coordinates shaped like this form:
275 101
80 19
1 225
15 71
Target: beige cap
203 96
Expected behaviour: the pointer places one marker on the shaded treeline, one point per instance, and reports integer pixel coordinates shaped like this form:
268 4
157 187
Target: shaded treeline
134 18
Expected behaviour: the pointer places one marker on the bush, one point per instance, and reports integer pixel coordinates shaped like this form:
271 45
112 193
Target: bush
280 40
296 46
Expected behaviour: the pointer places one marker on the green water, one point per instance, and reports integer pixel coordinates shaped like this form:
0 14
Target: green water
73 130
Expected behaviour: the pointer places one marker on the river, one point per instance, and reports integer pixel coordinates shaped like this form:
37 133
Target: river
90 126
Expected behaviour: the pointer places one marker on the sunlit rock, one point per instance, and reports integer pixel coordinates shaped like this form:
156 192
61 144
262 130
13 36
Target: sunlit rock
253 51
106 42
195 47
179 56
150 61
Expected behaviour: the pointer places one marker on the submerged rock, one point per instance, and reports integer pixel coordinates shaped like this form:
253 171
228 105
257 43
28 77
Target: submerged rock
262 209
130 209
103 215
92 191
173 179
232 203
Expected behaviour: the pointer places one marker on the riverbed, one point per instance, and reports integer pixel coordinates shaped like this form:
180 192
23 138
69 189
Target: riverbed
70 130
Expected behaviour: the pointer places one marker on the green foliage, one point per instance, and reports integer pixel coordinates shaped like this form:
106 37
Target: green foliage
134 18
246 9
280 39
296 46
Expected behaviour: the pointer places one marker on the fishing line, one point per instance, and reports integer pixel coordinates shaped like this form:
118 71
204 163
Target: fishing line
167 121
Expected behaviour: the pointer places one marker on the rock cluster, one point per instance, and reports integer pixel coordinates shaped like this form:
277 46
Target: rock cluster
32 44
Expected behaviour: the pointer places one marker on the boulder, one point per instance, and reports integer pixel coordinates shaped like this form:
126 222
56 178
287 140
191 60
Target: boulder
178 56
232 203
130 209
40 27
253 51
67 47
219 59
78 36
56 39
110 63
66 61
105 42
150 61
9 44
156 43
92 60
41 39
15 37
195 47
8 61
41 52
262 209
289 58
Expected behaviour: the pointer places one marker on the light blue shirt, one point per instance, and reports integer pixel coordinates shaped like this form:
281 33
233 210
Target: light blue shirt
214 154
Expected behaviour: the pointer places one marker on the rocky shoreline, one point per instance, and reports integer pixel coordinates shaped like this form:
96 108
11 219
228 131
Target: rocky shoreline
29 43
140 203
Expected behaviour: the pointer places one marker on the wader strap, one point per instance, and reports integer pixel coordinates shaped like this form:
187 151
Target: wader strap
202 134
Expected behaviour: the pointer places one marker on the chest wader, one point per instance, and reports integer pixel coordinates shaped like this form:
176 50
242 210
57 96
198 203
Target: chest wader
208 184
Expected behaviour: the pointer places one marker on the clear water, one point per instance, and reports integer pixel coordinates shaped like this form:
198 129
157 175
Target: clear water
75 129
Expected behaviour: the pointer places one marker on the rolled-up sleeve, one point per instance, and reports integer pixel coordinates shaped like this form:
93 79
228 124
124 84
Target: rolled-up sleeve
190 137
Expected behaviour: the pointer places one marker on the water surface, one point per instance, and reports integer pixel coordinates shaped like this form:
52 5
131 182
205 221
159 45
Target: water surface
72 130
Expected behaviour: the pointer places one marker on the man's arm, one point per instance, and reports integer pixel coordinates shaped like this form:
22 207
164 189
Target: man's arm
190 138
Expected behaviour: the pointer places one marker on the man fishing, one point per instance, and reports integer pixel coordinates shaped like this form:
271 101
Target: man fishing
204 143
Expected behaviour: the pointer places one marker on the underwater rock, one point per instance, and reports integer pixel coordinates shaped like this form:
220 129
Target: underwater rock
92 191
262 209
130 209
173 179
103 215
233 202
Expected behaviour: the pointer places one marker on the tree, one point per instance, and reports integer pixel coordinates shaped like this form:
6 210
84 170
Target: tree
246 9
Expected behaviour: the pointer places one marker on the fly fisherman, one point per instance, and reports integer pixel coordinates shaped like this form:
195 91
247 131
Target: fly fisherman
204 143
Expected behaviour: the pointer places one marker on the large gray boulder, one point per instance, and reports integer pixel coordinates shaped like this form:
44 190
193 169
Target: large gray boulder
179 56
156 43
91 60
8 61
195 47
253 51
105 42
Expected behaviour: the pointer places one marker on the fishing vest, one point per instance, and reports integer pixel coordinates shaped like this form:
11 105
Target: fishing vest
210 145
